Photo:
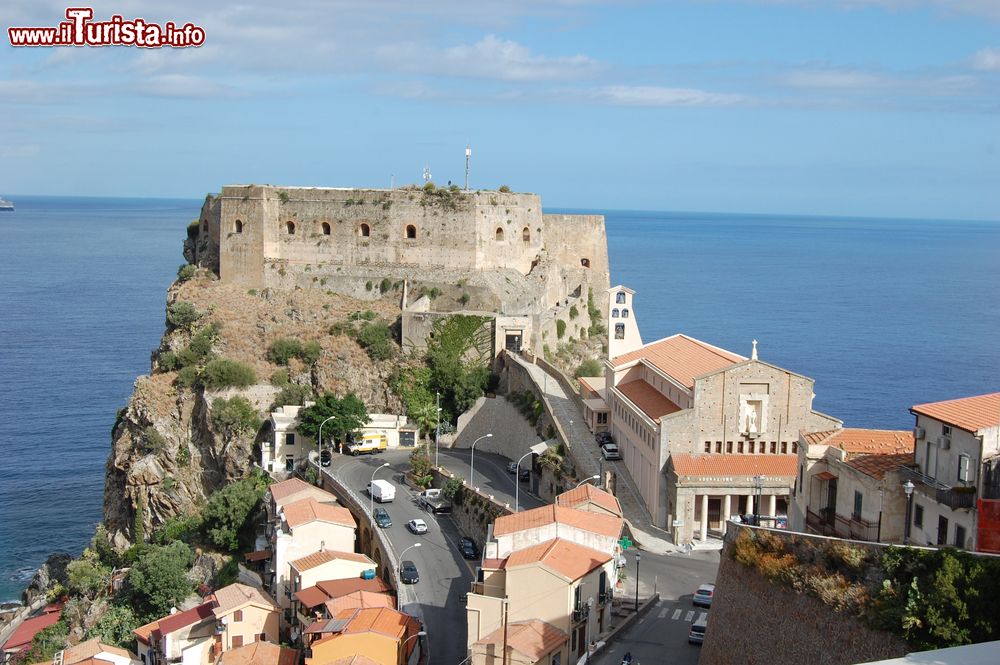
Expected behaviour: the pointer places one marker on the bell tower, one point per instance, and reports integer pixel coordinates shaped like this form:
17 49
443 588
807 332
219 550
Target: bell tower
623 328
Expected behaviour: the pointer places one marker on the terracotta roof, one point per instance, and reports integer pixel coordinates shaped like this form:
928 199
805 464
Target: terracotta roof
969 413
259 555
358 659
494 564
593 384
649 400
532 638
563 556
877 466
681 358
311 510
91 648
776 466
824 475
286 487
869 441
308 492
605 525
337 588
260 653
144 632
315 559
235 596
311 597
817 437
359 599
25 633
586 492
189 617
382 620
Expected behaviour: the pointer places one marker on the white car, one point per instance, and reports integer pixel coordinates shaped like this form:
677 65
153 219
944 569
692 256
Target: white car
610 451
417 526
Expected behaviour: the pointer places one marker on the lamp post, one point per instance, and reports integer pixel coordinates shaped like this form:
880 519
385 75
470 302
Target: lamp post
908 488
320 439
637 557
371 493
437 428
587 480
537 449
758 483
881 503
590 607
472 460
421 633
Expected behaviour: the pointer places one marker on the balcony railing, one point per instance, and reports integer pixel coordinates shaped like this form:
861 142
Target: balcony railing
828 523
958 497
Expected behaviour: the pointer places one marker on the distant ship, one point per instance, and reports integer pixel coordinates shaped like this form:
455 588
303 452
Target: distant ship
5 205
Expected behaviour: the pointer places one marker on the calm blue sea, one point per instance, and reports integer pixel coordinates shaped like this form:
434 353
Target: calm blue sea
883 314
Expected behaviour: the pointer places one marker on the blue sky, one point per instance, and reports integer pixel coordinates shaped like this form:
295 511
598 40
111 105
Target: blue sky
841 107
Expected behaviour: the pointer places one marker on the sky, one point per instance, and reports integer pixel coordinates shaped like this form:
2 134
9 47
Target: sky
887 108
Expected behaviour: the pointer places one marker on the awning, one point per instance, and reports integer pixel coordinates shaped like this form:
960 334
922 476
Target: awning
825 475
259 555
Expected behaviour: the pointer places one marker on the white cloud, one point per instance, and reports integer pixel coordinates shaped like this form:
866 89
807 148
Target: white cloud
838 79
987 60
490 58
185 87
651 95
985 8
18 151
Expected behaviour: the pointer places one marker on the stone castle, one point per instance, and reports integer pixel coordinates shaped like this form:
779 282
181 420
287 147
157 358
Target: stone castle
522 268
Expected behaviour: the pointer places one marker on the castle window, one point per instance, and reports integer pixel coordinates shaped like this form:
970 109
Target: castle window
614 313
366 231
586 264
499 234
290 228
411 231
238 226
619 331
326 228
526 234
625 313
620 298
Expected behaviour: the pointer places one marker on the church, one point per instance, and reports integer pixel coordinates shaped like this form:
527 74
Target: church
704 433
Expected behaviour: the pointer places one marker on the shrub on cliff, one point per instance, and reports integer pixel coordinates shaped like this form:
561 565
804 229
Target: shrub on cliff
182 315
560 328
234 417
116 626
374 338
158 579
47 642
293 394
284 349
591 367
227 518
225 373
186 272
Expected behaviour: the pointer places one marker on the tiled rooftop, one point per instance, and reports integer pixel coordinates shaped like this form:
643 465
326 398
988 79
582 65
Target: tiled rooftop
773 466
235 596
681 358
286 487
605 525
866 441
586 492
877 466
260 653
649 400
563 556
969 413
533 638
382 620
315 559
358 600
311 510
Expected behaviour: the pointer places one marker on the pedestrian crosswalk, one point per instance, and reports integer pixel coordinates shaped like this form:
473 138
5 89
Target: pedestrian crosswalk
679 614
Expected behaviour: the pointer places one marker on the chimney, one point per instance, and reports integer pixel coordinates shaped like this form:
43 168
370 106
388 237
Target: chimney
322 545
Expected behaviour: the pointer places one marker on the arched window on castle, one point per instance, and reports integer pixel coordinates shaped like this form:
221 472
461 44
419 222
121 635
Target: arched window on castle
326 228
585 263
290 228
366 230
620 298
499 234
411 232
238 226
526 234
624 313
614 313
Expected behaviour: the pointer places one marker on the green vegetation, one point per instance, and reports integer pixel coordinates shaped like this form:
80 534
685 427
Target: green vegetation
529 406
226 518
348 415
596 328
453 490
420 467
504 189
158 579
573 312
375 337
115 626
293 394
284 349
47 642
183 315
280 378
152 441
931 598
184 528
186 272
434 293
224 373
589 367
234 418
369 286
560 328
283 196
464 299
197 351
87 576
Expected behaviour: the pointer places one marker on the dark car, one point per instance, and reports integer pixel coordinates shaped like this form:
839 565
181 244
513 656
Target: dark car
511 467
604 437
324 457
408 573
382 518
468 548
524 475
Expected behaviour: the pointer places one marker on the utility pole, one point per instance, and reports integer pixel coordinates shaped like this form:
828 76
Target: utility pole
468 156
505 611
437 427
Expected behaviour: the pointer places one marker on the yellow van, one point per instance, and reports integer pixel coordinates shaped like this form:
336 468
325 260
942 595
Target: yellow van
368 444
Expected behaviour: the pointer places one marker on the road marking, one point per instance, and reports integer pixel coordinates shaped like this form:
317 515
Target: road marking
677 615
702 616
662 613
689 616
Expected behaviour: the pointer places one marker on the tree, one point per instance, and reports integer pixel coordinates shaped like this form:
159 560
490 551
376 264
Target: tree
234 417
115 627
87 576
47 642
228 513
348 415
590 367
225 373
182 314
158 580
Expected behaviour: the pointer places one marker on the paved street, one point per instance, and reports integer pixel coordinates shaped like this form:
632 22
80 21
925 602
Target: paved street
491 476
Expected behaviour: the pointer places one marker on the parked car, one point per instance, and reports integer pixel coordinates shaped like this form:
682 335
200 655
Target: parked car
610 451
703 596
468 548
604 437
417 526
697 633
524 475
325 457
382 518
408 573
511 467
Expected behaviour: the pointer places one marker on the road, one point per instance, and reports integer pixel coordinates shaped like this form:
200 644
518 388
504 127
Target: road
491 476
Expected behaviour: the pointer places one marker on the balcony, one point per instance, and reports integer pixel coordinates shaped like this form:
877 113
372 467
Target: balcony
959 497
580 614
828 523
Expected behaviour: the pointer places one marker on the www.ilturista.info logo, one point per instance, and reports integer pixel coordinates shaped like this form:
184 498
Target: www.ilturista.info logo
80 30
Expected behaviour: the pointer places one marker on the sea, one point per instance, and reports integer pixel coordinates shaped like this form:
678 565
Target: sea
881 313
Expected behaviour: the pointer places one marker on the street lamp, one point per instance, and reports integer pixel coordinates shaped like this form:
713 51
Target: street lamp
587 480
472 461
421 633
637 557
371 493
536 449
437 429
401 554
758 483
320 439
908 488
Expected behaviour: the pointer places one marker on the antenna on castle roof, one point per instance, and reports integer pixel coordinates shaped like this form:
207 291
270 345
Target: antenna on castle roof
427 174
468 156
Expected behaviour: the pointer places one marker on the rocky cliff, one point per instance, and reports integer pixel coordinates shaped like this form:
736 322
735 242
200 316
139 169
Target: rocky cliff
166 456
